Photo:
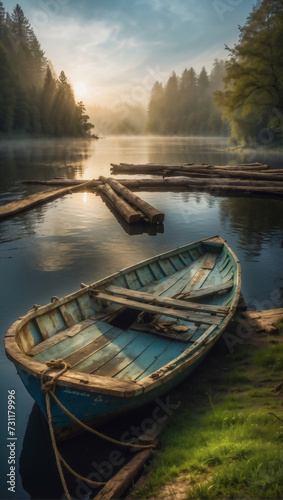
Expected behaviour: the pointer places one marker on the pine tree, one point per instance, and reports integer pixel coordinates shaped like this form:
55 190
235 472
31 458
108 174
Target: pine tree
155 109
188 102
7 93
171 116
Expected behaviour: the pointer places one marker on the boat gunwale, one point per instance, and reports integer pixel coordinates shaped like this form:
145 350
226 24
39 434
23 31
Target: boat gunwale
119 386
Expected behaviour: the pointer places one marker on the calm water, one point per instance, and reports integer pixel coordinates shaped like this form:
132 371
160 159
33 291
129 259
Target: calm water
53 248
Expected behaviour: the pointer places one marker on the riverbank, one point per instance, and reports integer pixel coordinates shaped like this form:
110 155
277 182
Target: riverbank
225 441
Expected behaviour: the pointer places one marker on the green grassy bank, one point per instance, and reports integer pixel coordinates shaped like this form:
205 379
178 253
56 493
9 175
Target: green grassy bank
225 440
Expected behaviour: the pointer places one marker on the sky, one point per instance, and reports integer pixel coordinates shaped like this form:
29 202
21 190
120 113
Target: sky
113 51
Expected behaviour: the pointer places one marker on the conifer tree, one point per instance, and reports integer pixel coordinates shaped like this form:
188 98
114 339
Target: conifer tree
155 109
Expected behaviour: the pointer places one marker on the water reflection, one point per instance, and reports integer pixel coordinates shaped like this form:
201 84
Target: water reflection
257 222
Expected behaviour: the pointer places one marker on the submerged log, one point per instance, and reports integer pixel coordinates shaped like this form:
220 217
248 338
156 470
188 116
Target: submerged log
247 190
125 209
153 215
32 200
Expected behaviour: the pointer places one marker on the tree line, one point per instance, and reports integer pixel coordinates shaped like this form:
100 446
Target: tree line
185 105
242 97
32 99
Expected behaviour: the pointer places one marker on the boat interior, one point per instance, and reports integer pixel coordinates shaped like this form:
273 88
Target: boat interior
137 321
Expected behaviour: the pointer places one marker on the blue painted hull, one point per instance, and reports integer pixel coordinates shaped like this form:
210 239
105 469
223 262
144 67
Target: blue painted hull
94 408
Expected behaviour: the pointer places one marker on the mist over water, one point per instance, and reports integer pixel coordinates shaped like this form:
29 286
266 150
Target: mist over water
51 249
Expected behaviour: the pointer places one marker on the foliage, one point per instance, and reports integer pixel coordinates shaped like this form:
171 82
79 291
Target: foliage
252 99
185 104
32 100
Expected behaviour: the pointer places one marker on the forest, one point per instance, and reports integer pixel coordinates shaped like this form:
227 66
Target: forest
242 97
33 101
185 105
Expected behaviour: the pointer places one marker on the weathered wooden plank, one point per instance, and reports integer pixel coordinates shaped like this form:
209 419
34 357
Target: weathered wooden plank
107 352
172 351
50 323
166 301
173 313
143 360
264 320
70 332
128 355
202 274
208 290
72 344
78 356
71 313
175 282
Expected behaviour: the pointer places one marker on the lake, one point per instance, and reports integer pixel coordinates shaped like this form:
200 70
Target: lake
51 249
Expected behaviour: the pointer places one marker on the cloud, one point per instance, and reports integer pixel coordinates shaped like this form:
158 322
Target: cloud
115 45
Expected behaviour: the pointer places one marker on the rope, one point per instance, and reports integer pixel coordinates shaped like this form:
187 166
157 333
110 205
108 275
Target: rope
99 434
48 387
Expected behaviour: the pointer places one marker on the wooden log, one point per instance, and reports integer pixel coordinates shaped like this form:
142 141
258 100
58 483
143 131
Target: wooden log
118 484
206 170
123 479
263 320
129 214
132 229
32 200
154 216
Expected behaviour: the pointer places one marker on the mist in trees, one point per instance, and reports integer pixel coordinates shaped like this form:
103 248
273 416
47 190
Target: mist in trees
252 99
185 105
32 99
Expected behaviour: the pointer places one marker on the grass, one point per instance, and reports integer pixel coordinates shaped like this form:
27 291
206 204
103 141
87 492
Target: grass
279 325
224 442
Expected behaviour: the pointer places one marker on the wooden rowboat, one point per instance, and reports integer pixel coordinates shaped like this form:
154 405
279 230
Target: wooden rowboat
131 337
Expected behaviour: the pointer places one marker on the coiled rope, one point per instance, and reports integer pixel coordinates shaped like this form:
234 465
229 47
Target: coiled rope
48 387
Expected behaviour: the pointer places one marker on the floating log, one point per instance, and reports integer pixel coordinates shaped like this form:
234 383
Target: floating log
154 216
124 208
132 229
32 200
199 170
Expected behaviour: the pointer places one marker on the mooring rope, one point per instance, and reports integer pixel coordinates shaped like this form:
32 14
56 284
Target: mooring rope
48 387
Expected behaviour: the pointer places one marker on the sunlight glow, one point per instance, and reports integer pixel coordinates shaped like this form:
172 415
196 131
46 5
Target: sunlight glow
85 197
80 90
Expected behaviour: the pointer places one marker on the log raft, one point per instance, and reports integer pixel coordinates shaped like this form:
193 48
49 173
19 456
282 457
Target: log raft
252 179
127 202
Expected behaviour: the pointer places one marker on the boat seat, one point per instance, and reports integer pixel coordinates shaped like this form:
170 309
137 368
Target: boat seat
166 301
172 310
